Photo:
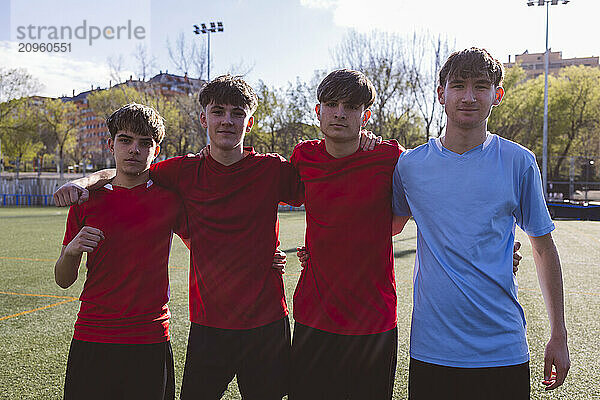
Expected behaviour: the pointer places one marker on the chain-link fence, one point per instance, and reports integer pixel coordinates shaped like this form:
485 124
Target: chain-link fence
574 178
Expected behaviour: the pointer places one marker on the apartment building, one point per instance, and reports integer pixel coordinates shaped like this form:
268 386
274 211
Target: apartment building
93 133
533 63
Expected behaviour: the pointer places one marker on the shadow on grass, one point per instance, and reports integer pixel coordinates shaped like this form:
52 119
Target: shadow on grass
30 216
397 254
404 253
401 238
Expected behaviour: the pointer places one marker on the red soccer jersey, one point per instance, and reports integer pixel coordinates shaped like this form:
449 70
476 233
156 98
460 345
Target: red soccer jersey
348 287
232 214
124 298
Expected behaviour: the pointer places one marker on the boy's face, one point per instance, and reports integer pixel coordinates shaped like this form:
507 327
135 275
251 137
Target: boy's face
133 152
468 101
226 124
341 121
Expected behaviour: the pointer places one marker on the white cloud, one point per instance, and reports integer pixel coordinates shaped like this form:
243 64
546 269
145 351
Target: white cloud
403 16
319 3
501 27
59 74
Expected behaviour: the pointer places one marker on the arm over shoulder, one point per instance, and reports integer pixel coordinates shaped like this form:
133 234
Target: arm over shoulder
291 188
167 173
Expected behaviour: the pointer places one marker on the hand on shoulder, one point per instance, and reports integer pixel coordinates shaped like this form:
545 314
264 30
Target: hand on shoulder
69 194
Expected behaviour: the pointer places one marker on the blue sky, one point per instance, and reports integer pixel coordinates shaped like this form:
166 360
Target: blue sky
280 39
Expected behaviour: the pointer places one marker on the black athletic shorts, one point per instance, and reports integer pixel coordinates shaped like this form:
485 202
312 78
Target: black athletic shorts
119 371
430 381
260 357
331 366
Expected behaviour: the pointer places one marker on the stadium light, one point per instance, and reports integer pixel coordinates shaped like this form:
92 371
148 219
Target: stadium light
546 62
214 28
203 29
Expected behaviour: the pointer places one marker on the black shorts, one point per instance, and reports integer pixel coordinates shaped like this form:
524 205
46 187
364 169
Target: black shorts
431 381
119 371
331 366
260 357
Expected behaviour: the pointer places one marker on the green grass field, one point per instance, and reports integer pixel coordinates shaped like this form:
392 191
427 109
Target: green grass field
36 316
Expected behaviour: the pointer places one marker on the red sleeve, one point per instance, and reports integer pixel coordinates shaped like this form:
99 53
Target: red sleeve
294 157
291 187
166 173
181 225
74 224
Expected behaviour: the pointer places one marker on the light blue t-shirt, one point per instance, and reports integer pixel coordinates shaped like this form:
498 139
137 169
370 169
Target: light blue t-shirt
466 312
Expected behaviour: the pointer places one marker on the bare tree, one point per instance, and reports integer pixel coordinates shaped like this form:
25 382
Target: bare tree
146 63
188 57
382 57
241 68
15 84
115 66
428 54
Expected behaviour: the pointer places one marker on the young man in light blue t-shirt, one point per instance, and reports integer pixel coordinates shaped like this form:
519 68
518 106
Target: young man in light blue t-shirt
467 190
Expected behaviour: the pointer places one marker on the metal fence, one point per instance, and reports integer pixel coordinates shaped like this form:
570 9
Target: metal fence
576 178
28 191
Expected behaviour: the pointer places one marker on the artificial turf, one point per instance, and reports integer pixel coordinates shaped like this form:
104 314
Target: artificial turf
35 344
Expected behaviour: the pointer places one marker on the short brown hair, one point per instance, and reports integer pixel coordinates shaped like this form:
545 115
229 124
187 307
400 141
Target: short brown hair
227 89
137 118
471 63
348 85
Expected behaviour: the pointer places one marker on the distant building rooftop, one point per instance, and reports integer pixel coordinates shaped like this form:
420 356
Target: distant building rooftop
533 63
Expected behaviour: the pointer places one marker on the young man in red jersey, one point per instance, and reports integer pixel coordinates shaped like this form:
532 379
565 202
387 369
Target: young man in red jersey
120 347
237 304
345 335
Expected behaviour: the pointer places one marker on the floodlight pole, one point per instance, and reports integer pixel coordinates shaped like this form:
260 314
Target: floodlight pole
546 68
214 27
208 57
545 138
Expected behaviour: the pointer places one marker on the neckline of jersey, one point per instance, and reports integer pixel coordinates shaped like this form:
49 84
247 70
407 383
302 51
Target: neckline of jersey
475 152
236 165
324 149
148 183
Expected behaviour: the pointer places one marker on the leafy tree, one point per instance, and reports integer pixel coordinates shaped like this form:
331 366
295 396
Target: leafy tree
573 113
104 102
184 134
283 118
520 115
61 121
574 110
300 117
268 119
20 133
181 114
